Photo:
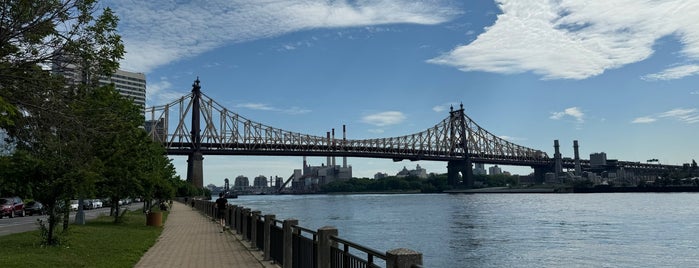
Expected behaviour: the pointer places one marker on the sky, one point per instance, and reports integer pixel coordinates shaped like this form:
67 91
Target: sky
619 76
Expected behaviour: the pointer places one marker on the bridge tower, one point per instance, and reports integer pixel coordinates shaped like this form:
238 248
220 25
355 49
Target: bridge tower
459 140
195 159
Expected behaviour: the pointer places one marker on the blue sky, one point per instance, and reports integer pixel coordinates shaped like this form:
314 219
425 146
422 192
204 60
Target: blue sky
621 76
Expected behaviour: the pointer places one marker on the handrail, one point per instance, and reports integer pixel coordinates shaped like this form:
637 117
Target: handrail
305 229
359 247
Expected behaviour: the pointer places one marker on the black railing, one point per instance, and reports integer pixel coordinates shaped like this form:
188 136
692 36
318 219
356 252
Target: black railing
343 258
276 242
304 249
260 235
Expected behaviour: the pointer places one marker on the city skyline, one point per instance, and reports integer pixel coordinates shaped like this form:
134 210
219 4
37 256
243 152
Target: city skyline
620 77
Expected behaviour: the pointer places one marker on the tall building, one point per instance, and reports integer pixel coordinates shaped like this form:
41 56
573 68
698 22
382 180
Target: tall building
130 85
241 181
495 170
479 169
158 128
260 181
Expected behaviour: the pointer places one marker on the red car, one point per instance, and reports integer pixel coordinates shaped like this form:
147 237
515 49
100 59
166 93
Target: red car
11 206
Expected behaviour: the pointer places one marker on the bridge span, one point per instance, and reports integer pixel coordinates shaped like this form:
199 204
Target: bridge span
196 125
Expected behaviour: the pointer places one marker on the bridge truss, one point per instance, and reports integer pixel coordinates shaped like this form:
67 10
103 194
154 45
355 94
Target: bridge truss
224 132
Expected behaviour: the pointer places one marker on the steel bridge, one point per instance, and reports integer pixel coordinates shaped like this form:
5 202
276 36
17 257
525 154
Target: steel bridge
215 130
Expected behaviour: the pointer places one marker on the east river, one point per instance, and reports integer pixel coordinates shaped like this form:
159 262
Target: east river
508 230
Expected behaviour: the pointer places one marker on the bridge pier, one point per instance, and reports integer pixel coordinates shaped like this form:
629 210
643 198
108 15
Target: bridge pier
463 168
195 169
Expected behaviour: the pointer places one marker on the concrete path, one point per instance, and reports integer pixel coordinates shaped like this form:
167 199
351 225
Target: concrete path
190 239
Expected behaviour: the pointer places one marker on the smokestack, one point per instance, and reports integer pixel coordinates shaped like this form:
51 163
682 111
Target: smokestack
304 162
578 169
328 159
557 158
344 142
333 147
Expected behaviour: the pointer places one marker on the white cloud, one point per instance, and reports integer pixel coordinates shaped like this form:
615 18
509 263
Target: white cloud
265 107
384 118
576 39
644 120
161 92
673 73
443 107
694 92
573 112
159 32
689 116
256 106
510 138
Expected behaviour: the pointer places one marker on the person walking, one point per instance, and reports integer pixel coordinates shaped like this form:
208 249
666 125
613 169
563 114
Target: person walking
221 209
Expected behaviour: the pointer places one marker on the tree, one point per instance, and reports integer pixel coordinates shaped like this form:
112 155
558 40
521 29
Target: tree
41 113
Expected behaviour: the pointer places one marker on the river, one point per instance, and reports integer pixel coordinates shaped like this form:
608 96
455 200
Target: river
508 230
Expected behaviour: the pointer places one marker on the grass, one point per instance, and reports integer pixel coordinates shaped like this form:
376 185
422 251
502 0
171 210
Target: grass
99 243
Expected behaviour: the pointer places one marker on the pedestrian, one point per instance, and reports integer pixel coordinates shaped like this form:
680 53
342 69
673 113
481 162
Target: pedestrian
221 205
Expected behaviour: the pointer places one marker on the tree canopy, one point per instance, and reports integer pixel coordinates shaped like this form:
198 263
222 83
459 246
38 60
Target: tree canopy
71 136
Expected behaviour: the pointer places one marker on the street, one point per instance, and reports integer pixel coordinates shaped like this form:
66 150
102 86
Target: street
29 223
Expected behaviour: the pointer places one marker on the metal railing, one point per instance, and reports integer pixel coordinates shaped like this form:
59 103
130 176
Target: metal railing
304 248
343 258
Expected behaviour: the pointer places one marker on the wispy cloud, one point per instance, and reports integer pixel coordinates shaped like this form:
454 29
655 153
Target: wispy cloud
159 32
265 107
384 118
161 92
688 116
575 39
573 112
443 107
673 73
694 92
510 138
644 120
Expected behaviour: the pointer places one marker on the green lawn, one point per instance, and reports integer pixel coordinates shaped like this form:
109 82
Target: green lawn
99 243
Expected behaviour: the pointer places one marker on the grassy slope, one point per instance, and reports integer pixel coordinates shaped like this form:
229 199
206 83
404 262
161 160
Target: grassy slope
99 243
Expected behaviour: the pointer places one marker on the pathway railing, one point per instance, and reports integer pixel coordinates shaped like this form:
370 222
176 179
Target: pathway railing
292 246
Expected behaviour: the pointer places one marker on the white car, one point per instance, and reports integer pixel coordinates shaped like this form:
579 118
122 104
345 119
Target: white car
73 204
96 203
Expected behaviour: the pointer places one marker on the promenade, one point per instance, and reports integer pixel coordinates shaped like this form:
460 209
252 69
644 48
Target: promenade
190 239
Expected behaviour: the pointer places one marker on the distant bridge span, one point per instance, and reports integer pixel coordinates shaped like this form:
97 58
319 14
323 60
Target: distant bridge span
457 140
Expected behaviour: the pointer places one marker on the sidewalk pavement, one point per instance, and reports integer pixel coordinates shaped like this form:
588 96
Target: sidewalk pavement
191 239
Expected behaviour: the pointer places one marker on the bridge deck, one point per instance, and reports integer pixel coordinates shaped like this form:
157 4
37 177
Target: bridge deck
190 239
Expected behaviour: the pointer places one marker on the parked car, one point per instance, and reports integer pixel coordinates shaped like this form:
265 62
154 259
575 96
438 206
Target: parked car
96 203
87 204
34 208
11 206
73 205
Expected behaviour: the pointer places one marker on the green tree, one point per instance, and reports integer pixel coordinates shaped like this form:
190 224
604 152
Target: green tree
42 115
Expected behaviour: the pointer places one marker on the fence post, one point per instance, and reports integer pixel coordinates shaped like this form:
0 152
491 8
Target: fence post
288 242
253 228
324 244
246 215
402 258
238 215
229 216
269 220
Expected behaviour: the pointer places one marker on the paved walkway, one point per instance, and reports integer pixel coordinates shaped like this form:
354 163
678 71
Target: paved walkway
190 239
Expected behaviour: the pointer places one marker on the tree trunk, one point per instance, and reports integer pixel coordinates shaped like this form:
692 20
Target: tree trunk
66 215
